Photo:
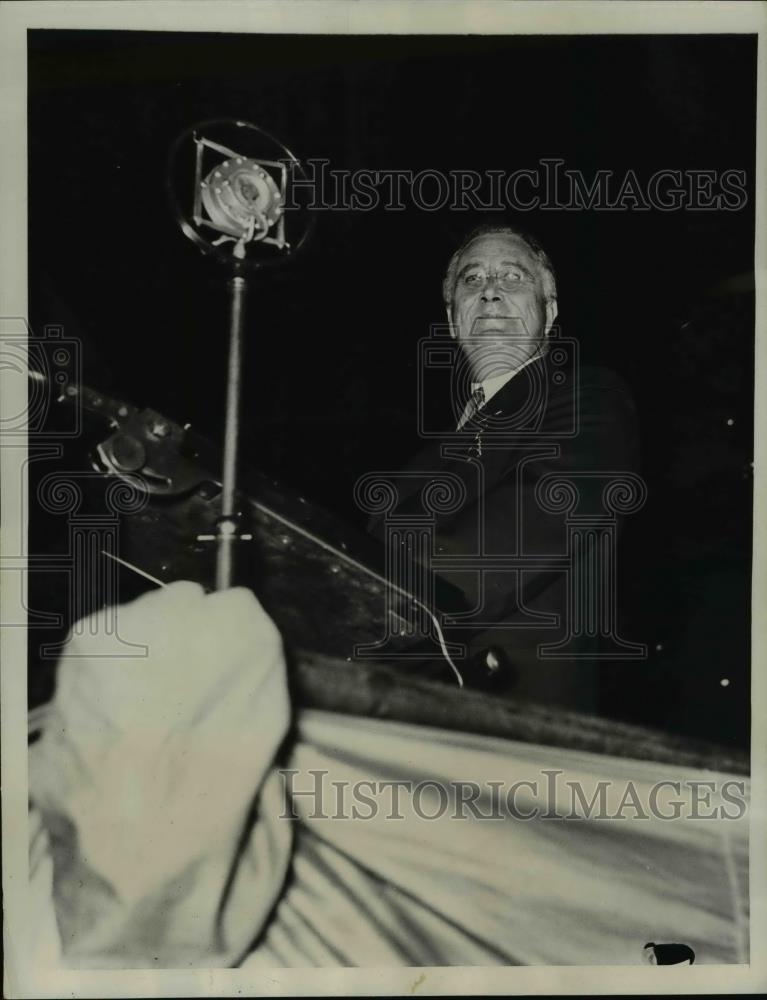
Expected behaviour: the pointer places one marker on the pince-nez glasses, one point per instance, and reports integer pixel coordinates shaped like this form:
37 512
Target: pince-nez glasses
507 278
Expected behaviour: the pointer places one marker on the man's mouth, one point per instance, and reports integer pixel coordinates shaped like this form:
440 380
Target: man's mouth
490 323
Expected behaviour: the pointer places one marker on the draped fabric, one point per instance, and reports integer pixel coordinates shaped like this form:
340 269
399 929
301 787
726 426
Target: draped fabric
463 890
162 836
466 890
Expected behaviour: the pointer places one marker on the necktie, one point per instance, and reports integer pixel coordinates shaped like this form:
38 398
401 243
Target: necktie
475 404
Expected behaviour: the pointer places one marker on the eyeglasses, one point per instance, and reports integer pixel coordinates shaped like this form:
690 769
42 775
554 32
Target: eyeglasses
508 278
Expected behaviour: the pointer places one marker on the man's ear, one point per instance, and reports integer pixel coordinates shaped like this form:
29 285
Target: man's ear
551 314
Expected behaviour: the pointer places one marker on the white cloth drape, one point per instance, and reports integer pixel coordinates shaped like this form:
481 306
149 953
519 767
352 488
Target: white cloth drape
160 834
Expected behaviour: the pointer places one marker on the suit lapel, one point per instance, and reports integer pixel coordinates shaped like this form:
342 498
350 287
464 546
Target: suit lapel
518 407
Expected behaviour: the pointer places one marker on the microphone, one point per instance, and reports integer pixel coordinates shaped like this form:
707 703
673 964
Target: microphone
245 206
242 199
238 175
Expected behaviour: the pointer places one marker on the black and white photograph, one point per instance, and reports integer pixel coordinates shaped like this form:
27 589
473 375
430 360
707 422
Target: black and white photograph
382 595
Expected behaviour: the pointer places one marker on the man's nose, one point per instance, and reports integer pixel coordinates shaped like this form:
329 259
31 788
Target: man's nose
490 292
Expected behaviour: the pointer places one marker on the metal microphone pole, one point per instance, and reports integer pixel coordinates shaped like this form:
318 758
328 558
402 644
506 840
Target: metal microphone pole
227 533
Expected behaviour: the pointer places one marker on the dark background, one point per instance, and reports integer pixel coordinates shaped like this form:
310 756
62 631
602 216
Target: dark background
665 298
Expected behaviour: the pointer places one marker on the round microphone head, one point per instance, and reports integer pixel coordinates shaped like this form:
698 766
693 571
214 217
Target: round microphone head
239 194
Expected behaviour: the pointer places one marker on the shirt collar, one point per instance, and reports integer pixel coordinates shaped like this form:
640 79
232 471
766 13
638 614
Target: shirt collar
493 385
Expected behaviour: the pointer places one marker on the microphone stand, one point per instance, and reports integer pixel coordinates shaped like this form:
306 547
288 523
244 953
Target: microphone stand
227 526
238 197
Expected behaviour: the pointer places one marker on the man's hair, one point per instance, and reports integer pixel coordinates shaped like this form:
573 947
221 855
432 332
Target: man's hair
488 229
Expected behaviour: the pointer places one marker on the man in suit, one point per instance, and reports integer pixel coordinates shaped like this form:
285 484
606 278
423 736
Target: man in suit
537 441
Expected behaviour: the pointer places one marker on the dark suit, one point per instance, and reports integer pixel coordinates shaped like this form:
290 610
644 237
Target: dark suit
547 420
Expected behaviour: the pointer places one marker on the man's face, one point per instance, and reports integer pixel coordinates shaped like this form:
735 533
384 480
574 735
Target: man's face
499 311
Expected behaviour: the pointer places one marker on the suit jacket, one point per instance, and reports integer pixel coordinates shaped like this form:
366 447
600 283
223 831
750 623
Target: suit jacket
549 420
